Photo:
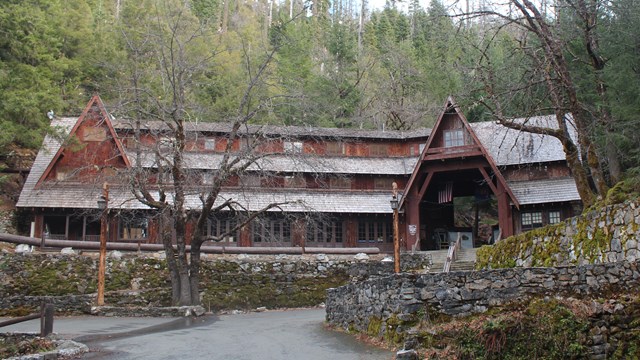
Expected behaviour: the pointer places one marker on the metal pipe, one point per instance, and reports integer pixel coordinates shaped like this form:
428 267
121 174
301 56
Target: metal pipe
207 249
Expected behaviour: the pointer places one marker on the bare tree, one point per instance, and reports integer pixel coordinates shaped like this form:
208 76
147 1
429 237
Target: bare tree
546 85
167 67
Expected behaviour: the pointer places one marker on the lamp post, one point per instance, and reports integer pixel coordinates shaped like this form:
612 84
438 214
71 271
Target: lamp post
103 205
396 241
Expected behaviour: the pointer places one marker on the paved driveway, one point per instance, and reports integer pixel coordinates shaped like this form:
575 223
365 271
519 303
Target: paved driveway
291 334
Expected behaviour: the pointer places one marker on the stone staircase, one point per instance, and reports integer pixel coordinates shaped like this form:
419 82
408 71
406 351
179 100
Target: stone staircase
465 261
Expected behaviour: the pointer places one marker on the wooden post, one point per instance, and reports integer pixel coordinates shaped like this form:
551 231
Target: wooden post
396 242
104 231
46 319
396 230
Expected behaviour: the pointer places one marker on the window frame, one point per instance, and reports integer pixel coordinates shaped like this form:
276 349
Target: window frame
454 138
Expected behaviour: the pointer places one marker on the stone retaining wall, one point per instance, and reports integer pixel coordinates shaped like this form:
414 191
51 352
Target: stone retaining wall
228 282
609 234
394 303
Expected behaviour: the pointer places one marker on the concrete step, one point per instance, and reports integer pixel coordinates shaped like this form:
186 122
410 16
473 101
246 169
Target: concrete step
463 266
465 261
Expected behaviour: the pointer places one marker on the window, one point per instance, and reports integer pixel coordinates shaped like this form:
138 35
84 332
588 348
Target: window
220 226
383 183
335 148
324 232
251 180
207 177
453 138
295 181
210 144
378 150
133 228
165 143
375 231
340 183
554 217
270 230
293 147
531 220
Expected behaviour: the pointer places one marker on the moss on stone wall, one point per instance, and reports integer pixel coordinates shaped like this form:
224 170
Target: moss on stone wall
597 236
225 284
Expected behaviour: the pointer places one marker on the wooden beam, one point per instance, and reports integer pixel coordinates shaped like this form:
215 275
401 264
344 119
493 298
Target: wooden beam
488 180
455 155
425 185
456 165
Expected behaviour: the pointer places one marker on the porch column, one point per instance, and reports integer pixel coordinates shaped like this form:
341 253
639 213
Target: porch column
298 232
412 216
245 236
505 216
39 225
352 232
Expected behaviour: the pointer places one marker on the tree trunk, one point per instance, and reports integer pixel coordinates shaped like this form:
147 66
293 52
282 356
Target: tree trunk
172 266
195 273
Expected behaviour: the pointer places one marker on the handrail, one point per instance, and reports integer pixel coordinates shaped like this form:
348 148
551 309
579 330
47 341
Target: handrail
453 251
45 315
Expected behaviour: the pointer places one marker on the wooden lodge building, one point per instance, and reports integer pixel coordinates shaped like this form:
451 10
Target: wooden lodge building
343 176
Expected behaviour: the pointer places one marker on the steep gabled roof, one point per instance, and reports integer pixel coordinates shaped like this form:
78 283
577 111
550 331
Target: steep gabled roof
106 121
474 149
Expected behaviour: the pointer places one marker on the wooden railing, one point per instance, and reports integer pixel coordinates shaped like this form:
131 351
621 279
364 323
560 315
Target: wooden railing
46 319
453 251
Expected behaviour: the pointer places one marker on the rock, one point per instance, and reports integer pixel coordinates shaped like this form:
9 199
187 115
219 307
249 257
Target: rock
70 348
194 311
261 309
322 257
135 283
22 248
159 255
361 257
407 355
115 254
242 257
67 251
387 259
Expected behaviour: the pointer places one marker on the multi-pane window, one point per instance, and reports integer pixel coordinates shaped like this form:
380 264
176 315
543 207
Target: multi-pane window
453 138
271 230
378 231
293 147
531 220
340 183
335 148
220 229
378 150
325 232
554 217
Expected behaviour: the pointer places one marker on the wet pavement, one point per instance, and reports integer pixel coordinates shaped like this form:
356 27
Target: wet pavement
288 334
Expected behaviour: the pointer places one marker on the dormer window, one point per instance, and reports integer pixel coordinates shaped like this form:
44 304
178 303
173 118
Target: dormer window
453 138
